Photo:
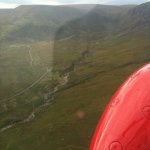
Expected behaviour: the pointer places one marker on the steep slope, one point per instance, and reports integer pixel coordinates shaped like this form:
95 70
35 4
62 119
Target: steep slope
43 22
37 22
137 20
100 19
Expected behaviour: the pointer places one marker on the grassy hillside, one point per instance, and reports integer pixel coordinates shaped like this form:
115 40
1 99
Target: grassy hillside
54 90
69 122
136 20
27 23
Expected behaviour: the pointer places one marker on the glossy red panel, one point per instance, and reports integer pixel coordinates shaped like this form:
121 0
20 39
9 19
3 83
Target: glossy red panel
125 124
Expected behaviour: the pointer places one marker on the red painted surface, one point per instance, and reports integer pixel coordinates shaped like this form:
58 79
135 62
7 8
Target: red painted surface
125 124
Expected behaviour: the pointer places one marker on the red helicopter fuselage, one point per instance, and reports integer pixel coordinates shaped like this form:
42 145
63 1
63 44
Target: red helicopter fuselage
125 124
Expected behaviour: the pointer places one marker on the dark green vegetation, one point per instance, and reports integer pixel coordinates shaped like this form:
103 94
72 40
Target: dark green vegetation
91 50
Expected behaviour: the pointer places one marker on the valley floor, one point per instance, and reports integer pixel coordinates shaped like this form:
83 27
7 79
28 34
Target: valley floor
83 85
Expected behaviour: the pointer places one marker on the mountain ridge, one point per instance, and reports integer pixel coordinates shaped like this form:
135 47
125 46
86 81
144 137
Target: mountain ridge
32 21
